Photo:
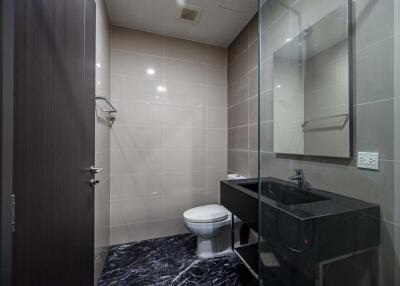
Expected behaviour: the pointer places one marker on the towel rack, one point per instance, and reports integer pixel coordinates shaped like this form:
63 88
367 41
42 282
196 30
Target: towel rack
105 105
306 123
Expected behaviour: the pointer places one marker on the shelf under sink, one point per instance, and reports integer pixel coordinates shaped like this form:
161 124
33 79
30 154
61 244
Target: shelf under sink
248 254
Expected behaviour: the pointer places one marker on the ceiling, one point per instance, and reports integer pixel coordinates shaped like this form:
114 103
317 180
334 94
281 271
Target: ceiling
219 23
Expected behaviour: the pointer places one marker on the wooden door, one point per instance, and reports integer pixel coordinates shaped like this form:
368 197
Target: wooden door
53 243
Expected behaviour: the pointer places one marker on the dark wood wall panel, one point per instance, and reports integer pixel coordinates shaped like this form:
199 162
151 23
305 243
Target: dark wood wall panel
54 142
6 115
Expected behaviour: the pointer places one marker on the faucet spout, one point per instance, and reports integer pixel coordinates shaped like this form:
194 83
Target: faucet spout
300 179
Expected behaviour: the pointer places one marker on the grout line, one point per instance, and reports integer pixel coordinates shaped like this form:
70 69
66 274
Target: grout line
264 93
374 101
163 57
167 126
250 124
201 105
239 150
167 81
357 51
203 171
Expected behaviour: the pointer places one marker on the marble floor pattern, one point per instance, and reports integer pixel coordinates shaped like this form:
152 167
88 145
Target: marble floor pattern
171 261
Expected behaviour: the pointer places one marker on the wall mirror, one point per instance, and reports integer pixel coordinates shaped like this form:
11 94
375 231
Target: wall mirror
311 89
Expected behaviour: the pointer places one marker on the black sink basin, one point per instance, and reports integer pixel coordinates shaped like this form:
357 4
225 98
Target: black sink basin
287 195
301 228
321 224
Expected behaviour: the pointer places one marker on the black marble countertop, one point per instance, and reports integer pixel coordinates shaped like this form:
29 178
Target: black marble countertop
333 205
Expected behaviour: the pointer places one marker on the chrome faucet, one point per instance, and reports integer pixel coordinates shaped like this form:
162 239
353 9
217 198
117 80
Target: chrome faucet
300 179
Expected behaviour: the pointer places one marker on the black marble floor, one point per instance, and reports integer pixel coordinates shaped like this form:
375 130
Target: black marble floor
171 261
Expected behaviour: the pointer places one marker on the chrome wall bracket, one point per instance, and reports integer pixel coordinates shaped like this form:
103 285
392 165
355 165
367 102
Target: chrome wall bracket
105 105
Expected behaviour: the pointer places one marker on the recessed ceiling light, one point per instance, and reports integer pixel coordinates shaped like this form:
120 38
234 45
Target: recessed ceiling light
278 86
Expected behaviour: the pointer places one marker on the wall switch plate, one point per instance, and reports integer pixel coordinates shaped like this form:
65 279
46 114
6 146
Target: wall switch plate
368 160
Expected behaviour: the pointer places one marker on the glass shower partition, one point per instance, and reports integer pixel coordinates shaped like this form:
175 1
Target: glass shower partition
325 81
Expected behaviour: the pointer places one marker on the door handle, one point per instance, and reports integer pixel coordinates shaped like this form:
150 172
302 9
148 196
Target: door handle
94 182
95 170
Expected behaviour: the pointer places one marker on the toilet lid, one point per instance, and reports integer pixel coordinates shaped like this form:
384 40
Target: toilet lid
208 213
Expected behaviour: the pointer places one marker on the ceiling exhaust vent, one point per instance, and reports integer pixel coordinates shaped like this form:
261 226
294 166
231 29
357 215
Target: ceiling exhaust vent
189 13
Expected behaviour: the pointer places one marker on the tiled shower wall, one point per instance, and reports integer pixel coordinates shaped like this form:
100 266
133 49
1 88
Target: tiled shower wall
169 142
243 102
376 117
102 138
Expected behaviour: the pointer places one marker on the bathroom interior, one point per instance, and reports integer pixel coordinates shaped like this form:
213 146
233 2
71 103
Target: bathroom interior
189 142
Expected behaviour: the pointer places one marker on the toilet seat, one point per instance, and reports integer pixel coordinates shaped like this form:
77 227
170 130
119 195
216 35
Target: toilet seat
211 224
206 214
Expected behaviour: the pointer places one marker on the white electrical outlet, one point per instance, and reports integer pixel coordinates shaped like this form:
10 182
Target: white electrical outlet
368 160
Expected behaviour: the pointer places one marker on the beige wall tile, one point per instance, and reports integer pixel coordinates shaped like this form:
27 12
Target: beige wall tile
141 209
102 159
238 45
217 139
239 67
136 41
217 76
238 91
145 230
138 89
184 183
140 185
184 138
182 71
136 137
217 96
253 29
253 56
138 113
238 138
238 114
102 140
214 177
117 214
127 161
238 162
368 30
217 117
119 234
214 197
217 56
185 94
186 50
173 227
164 145
174 206
133 64
183 116
217 159
182 160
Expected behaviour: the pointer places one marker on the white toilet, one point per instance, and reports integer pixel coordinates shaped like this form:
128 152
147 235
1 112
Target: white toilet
212 226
